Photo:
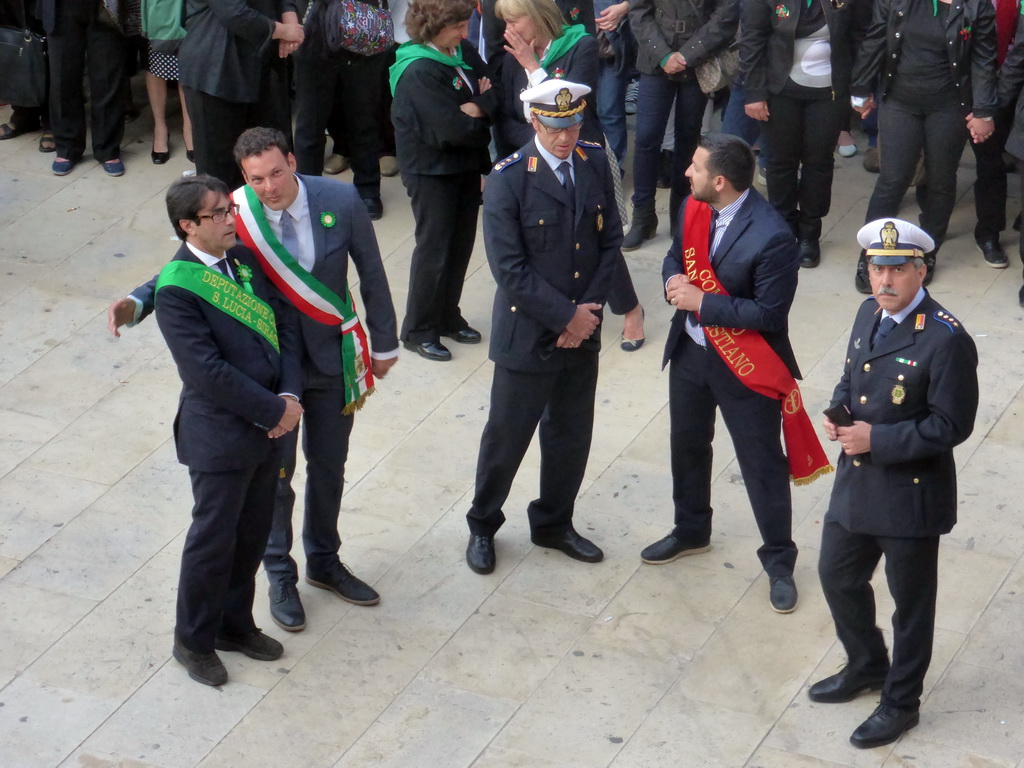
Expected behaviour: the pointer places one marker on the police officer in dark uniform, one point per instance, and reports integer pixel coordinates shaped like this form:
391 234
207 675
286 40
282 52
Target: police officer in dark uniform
553 234
908 395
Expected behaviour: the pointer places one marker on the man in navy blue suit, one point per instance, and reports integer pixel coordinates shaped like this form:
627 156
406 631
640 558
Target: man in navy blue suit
235 342
754 257
321 223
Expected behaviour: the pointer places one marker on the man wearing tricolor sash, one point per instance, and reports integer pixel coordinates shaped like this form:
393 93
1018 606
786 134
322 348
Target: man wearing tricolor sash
235 342
303 230
731 274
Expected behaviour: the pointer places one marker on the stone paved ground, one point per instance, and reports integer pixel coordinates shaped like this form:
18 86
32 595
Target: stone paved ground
547 662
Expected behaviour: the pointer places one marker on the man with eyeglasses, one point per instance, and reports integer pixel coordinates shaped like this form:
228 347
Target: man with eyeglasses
236 345
553 234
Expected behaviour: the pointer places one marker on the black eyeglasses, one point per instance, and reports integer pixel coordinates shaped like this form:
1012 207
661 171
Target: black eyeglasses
555 131
220 215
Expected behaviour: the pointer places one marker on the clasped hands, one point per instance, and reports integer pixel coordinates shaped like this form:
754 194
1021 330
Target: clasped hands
471 108
581 327
290 419
682 294
289 34
853 440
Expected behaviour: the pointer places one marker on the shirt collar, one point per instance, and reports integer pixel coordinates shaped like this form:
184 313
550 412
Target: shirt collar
203 256
730 210
550 159
297 209
902 315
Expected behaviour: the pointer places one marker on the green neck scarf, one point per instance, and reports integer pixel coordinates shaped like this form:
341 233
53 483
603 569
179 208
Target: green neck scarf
561 46
409 52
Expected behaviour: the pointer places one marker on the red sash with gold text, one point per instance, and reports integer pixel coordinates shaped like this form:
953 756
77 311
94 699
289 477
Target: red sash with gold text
750 357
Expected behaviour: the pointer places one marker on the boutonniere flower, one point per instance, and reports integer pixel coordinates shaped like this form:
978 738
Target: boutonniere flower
559 73
457 83
965 33
328 219
782 11
244 276
574 13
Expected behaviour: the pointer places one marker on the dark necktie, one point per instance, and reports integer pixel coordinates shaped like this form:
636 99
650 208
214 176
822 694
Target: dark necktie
711 233
566 170
884 329
289 239
224 267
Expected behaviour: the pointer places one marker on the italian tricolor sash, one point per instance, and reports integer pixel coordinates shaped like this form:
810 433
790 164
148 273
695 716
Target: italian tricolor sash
751 359
309 295
225 294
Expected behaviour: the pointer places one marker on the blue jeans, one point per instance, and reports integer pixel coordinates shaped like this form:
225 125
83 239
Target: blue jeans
611 105
654 102
736 122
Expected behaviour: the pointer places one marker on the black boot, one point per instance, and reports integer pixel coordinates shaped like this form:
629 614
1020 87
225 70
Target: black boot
929 265
644 227
675 202
861 281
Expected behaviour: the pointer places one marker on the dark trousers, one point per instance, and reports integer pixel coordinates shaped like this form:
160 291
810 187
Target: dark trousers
230 523
325 435
217 123
802 134
562 403
446 209
911 569
990 186
654 103
81 43
353 90
699 381
621 293
905 131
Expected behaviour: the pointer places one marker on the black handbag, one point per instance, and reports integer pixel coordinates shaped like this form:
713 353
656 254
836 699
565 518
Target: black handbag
23 62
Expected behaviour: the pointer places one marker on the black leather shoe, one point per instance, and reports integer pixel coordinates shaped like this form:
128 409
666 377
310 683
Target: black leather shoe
374 207
1020 296
782 594
673 547
205 668
159 158
993 252
432 350
844 686
885 725
253 644
285 606
190 155
929 265
571 543
861 281
810 253
465 335
346 585
480 553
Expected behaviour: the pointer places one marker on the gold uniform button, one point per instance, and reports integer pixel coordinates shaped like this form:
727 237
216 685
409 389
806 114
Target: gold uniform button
867 366
513 309
574 301
541 221
856 462
576 275
577 246
863 399
916 481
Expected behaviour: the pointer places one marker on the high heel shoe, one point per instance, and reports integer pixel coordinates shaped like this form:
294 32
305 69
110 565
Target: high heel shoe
191 155
159 158
632 345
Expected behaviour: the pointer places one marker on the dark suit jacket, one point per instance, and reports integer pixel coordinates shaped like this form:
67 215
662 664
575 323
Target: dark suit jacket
906 485
757 264
46 11
230 374
433 135
228 45
579 65
353 236
546 260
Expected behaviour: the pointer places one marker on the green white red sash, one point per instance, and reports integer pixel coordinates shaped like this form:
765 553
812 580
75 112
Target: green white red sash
223 293
750 357
309 295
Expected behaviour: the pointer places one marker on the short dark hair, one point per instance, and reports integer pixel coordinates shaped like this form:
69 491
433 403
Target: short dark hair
426 18
731 157
185 199
256 141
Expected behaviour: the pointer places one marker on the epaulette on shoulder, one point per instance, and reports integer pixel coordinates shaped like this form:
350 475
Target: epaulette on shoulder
592 144
512 159
947 320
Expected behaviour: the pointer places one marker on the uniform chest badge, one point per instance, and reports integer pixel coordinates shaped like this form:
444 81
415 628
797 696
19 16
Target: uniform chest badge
899 394
919 323
782 11
457 83
856 343
574 14
531 165
328 219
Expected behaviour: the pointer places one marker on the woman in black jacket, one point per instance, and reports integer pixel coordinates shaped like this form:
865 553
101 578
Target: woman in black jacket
933 62
798 57
442 111
1011 96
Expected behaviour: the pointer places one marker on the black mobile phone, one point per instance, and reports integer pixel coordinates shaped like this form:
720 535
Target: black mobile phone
839 415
